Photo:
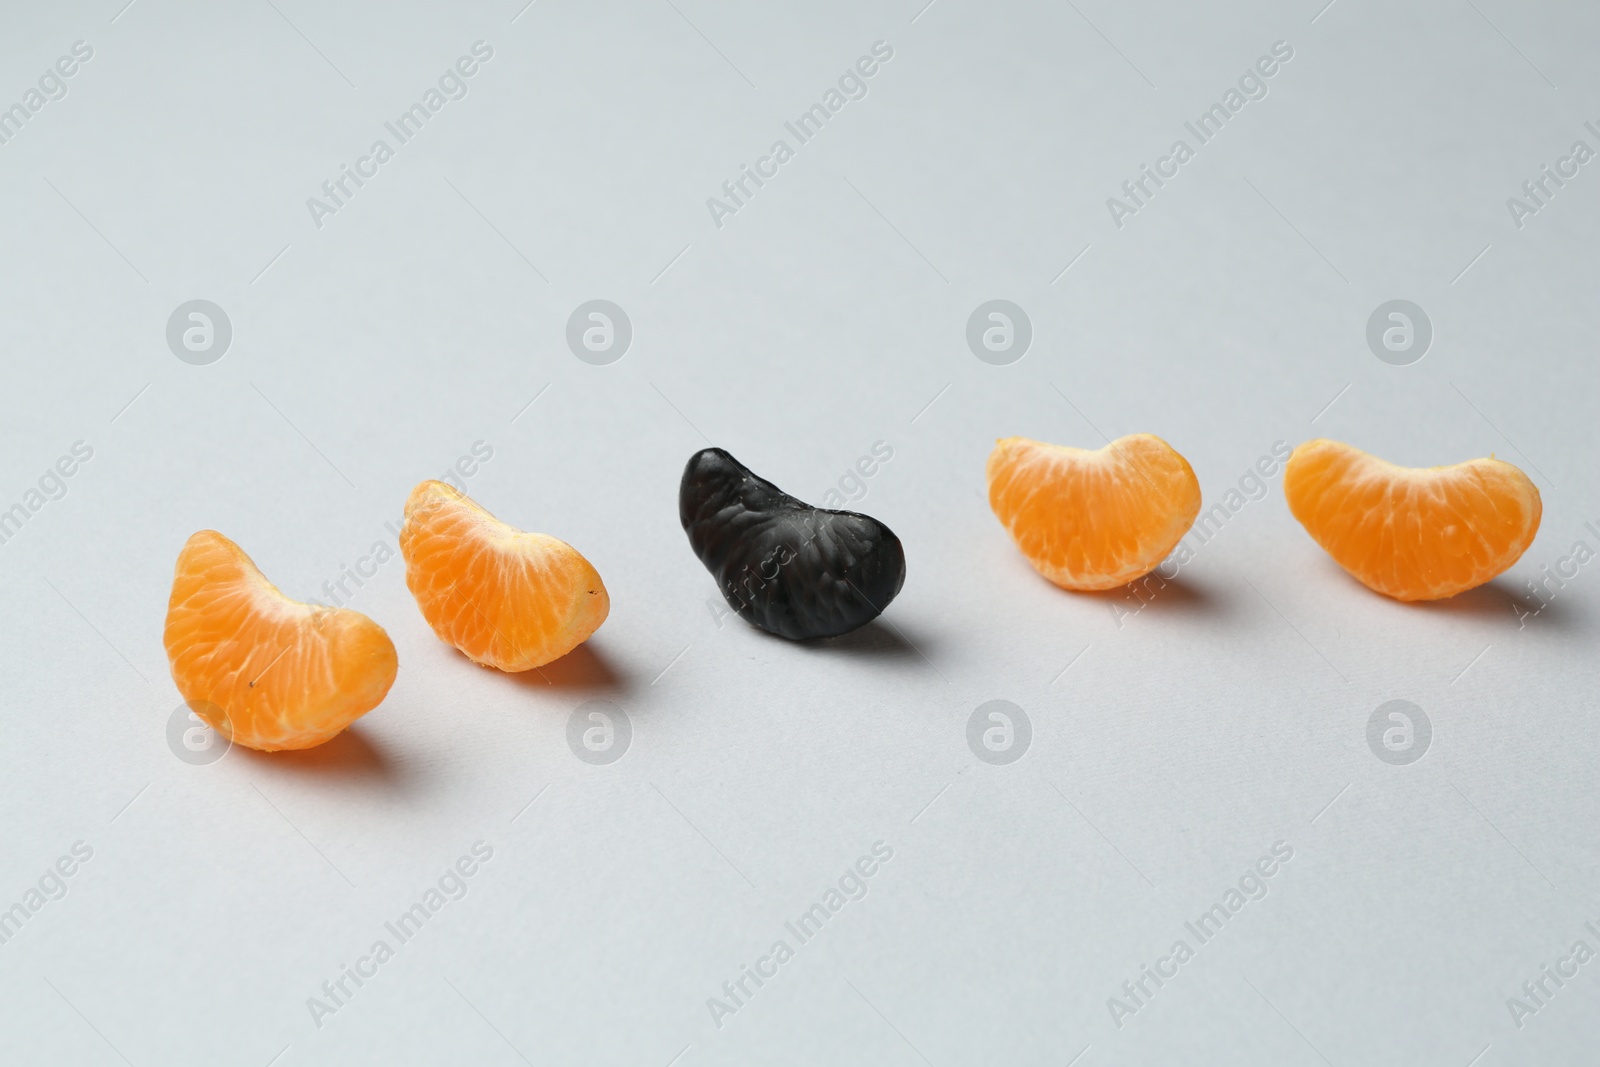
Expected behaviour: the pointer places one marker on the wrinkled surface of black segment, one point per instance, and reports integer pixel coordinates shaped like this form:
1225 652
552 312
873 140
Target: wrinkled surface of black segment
783 565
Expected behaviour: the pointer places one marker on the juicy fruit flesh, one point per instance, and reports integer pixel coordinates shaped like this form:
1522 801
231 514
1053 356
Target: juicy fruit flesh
1093 519
503 597
1412 533
785 567
266 671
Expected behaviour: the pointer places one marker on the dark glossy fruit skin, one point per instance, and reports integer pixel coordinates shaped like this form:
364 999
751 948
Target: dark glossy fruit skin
783 565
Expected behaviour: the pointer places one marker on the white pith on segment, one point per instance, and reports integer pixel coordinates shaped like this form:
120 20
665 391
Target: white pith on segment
265 670
1100 536
1392 526
469 570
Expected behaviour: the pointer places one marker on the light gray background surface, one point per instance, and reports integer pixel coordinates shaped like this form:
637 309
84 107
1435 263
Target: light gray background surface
1170 748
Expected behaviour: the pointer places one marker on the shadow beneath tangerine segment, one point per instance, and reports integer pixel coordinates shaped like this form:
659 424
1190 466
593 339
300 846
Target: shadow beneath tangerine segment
350 756
1499 599
1493 598
1158 595
585 668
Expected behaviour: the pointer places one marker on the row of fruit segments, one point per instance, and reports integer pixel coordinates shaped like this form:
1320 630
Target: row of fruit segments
286 675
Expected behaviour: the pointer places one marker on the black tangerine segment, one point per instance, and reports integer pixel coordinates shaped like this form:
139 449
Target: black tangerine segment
783 565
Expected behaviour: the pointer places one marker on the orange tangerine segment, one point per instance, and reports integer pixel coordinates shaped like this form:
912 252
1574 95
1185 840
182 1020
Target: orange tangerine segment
1093 518
1413 533
262 669
503 597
